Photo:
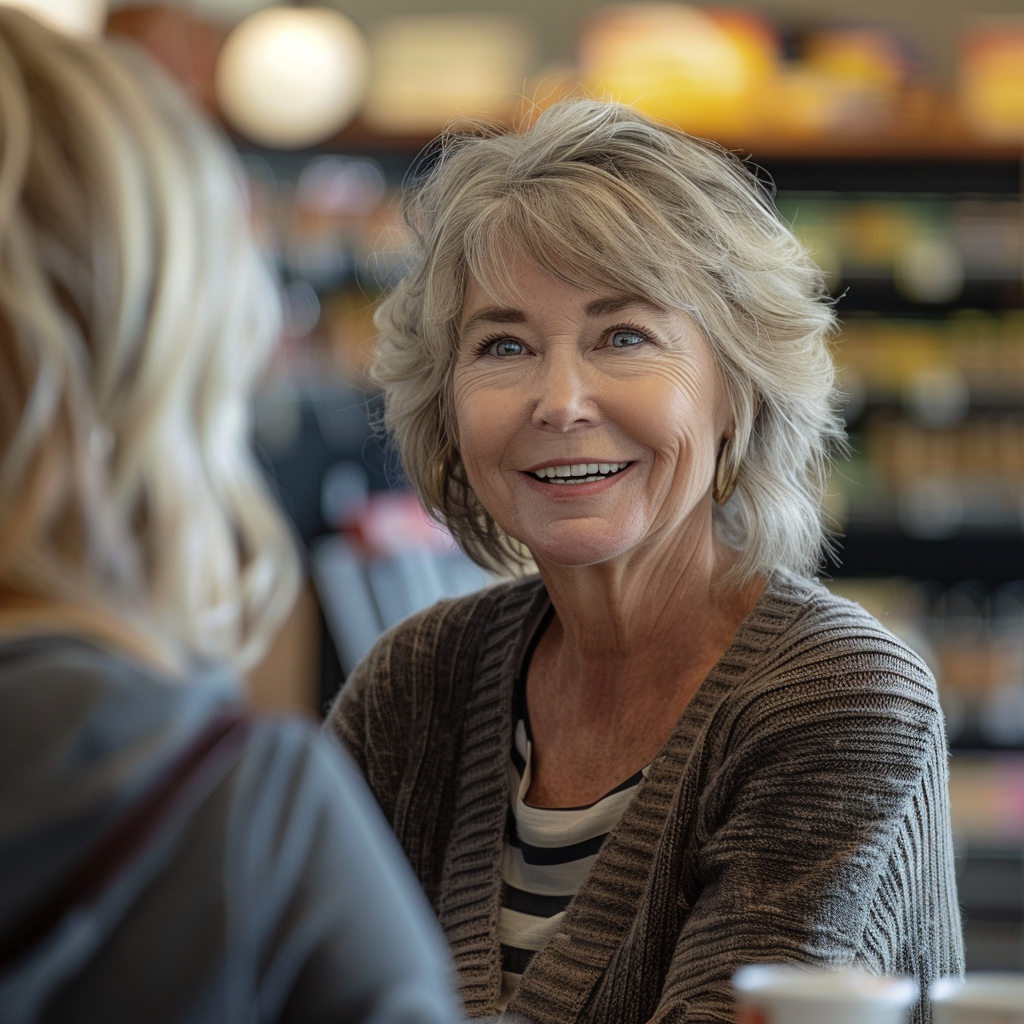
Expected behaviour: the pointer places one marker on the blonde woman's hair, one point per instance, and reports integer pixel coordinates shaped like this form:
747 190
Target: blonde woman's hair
598 195
135 314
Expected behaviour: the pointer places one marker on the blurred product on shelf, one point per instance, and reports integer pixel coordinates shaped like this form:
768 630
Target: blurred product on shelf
705 71
991 84
867 69
429 68
930 248
721 73
937 416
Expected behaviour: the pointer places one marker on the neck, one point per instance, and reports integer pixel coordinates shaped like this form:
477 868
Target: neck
659 614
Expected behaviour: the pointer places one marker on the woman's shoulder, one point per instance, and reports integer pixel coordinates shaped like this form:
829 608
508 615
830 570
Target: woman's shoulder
72 705
811 622
817 652
828 694
457 628
426 665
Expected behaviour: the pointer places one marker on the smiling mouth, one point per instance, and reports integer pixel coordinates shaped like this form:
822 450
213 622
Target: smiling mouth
579 472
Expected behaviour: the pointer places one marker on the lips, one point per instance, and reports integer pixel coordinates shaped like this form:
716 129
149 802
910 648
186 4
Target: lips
578 472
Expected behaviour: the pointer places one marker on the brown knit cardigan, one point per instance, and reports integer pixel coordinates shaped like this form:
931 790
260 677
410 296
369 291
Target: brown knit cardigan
798 811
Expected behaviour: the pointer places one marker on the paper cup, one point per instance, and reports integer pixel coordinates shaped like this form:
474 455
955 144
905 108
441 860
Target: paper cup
782 994
983 998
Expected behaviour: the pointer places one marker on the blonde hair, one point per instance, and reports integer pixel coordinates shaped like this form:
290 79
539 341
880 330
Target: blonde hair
596 194
135 314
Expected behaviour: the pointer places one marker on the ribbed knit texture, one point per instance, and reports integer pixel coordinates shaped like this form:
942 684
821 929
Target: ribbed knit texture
798 811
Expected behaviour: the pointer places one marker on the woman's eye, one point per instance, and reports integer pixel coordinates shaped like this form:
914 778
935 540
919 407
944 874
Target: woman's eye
506 347
626 339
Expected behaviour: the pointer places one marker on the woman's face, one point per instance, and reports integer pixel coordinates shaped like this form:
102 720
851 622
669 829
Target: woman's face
589 421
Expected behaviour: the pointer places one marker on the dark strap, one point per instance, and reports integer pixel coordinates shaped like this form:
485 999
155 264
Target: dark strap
219 744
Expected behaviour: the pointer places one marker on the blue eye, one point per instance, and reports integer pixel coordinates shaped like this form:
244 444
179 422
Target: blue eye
506 347
626 339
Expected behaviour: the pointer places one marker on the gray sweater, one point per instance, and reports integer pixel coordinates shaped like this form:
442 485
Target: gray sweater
798 811
270 891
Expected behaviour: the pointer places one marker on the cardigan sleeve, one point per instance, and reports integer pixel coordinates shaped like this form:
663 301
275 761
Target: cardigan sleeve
827 835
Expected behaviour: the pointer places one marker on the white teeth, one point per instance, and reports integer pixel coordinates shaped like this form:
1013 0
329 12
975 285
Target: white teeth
579 472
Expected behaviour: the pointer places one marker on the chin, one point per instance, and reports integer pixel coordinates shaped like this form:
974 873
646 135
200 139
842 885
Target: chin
577 547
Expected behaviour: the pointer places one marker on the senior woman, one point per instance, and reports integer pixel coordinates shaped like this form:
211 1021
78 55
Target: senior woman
672 752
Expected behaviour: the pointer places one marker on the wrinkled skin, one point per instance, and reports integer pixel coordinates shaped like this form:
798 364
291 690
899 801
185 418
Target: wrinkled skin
548 374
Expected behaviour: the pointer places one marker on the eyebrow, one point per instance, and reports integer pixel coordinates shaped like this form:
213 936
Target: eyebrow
616 303
598 307
495 315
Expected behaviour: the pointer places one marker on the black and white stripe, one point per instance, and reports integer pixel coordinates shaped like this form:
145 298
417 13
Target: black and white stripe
548 855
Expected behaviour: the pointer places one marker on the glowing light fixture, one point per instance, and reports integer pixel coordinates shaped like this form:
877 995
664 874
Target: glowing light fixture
79 17
290 77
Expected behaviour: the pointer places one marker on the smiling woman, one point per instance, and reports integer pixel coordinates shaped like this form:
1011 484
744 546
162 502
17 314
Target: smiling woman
671 752
568 384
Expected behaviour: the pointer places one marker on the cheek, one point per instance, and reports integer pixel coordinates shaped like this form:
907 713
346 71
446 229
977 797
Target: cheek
478 419
670 411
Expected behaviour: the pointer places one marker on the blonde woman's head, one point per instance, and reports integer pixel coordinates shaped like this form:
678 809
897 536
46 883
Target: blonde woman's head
597 195
135 314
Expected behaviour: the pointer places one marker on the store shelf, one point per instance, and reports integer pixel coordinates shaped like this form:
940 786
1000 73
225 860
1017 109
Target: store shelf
881 295
923 159
899 170
991 558
890 405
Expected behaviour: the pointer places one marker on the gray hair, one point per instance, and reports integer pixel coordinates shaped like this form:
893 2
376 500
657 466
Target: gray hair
135 314
599 195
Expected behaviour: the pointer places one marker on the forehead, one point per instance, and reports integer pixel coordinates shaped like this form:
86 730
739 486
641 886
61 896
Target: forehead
522 287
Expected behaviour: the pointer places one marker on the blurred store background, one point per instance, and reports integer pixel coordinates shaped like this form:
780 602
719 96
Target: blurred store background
894 134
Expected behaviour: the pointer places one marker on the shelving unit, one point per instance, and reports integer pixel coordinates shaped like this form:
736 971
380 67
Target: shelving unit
934 495
956 595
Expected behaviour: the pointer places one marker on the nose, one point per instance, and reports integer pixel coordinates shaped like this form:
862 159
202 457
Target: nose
564 399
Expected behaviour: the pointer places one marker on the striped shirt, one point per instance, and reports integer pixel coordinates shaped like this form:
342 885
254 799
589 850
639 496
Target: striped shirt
548 854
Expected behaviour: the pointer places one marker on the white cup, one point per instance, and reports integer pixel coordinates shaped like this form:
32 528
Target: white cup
984 998
784 994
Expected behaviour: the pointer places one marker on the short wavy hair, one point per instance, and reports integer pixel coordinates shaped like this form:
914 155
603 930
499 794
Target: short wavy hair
599 195
135 314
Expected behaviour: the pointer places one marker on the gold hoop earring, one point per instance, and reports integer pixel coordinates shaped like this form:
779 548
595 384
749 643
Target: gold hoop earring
726 473
439 471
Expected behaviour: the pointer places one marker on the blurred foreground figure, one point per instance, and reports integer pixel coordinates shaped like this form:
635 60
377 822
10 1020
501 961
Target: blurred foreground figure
162 857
